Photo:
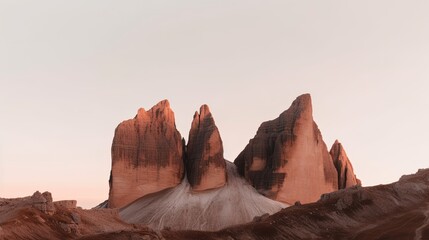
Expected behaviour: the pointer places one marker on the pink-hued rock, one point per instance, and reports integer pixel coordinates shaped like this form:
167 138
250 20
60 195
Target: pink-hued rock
147 155
205 165
346 175
43 202
288 160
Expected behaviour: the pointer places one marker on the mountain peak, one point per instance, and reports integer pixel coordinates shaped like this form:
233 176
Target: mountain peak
205 165
346 176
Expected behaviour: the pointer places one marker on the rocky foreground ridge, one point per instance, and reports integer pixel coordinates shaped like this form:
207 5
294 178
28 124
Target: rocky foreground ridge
395 211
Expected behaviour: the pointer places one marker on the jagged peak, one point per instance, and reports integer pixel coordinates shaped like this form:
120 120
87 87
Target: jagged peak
302 102
337 149
163 104
160 112
203 117
346 176
204 111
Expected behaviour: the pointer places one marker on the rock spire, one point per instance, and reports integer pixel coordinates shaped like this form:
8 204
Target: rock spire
288 160
205 165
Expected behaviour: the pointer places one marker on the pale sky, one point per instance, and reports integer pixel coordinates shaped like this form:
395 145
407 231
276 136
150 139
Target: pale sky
71 71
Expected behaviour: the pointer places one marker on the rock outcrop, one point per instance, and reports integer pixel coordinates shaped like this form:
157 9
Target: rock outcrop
288 160
68 204
147 155
35 217
346 175
43 202
205 165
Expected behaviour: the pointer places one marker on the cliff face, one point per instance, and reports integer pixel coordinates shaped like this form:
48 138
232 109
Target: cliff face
287 160
205 165
346 175
147 155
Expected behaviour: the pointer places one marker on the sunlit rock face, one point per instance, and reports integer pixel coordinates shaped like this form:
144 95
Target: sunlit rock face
205 165
147 155
346 175
287 160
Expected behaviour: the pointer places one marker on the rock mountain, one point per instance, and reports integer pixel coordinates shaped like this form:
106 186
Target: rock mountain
288 160
205 165
153 168
160 188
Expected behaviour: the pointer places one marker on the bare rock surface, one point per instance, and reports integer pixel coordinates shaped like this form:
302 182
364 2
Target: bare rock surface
346 175
43 202
287 160
147 155
68 204
205 164
23 218
182 208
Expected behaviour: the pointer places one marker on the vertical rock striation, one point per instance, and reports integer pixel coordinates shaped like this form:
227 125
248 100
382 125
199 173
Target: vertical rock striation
287 160
147 155
346 176
205 165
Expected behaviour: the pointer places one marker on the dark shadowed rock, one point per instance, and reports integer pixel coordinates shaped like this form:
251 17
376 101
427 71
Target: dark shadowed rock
346 175
287 160
205 165
147 155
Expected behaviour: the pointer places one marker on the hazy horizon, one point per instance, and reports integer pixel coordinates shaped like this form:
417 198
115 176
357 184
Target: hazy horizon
71 71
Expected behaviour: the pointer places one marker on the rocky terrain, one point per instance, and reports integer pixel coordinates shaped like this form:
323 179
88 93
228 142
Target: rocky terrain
39 217
283 185
395 211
